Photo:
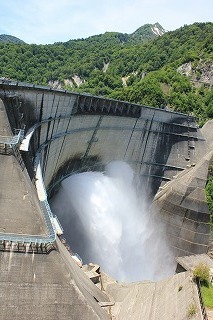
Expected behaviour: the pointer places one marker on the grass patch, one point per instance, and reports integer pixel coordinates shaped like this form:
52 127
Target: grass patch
191 310
201 271
207 294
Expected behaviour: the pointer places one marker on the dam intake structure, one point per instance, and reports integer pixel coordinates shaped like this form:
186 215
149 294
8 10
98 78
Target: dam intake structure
47 135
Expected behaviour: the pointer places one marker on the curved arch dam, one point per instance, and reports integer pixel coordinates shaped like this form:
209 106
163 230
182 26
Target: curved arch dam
47 135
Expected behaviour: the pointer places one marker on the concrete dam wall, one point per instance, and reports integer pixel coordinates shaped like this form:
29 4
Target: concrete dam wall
47 135
68 132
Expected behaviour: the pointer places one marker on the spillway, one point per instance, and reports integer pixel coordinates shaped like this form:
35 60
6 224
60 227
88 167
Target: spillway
47 135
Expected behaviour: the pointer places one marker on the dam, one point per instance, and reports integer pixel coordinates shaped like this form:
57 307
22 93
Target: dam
47 135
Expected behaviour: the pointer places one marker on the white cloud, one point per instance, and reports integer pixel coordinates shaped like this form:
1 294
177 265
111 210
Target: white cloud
49 21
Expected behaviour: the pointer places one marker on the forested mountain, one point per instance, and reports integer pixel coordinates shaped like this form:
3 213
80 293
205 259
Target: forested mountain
9 38
147 32
150 66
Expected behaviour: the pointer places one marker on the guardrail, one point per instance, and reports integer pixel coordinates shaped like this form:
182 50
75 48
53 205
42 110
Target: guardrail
203 309
12 140
36 239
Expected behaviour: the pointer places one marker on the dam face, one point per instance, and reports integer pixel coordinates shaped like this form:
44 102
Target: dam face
67 133
47 135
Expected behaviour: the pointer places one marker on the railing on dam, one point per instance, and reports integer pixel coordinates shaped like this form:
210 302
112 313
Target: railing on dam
8 144
25 242
202 306
12 140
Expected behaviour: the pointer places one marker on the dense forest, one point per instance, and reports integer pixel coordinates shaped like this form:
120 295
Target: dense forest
166 69
141 67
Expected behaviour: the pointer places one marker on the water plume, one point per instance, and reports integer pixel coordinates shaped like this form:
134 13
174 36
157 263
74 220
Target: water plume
107 221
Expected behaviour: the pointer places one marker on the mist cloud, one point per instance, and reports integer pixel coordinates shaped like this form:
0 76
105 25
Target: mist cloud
106 222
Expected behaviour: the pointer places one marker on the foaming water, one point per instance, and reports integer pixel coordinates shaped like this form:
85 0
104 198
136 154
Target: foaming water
106 222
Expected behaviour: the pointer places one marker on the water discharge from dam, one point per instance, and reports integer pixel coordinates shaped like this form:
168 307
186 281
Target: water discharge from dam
107 221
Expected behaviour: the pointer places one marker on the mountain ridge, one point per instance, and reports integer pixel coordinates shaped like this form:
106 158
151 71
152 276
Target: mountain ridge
10 39
143 34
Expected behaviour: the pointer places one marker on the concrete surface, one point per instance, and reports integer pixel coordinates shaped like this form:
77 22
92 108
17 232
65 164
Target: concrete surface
36 286
76 133
168 299
190 262
20 212
188 225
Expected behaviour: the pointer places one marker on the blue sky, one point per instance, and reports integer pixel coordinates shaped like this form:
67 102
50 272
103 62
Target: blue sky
49 21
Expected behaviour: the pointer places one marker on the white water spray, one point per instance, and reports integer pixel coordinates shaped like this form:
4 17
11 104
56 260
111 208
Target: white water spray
107 223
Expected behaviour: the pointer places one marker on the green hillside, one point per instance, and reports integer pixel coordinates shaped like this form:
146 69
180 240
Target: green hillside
173 70
10 39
